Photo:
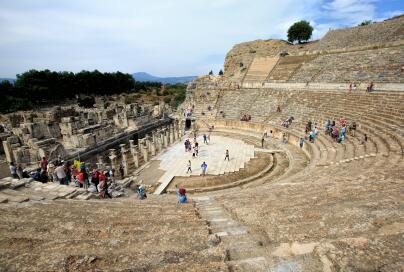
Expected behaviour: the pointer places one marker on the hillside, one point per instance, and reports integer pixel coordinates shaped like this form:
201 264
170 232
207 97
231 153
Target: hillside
142 76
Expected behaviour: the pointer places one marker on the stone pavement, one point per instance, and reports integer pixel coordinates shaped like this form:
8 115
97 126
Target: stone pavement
174 160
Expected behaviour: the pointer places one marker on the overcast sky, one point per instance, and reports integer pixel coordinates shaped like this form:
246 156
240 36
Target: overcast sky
162 37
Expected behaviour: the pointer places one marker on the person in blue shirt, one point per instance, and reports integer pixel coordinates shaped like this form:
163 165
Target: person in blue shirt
203 167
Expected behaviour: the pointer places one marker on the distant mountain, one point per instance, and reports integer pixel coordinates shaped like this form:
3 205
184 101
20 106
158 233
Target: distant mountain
142 76
12 80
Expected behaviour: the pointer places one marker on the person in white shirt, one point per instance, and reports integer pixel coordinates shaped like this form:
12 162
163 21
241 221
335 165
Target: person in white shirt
61 174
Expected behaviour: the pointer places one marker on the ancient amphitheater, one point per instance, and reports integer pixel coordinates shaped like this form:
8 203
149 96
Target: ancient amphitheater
274 206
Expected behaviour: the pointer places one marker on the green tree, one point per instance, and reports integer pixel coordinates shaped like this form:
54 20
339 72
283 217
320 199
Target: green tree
300 31
366 22
211 73
220 72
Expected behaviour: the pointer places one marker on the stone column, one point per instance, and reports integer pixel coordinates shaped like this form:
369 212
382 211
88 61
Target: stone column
175 131
8 151
153 144
100 164
158 141
135 154
114 159
144 149
172 139
124 158
165 138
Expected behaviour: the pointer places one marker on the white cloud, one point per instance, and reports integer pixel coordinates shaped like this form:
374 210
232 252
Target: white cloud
178 37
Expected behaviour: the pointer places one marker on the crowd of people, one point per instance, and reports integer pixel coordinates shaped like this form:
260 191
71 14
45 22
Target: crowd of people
286 123
338 130
369 87
65 173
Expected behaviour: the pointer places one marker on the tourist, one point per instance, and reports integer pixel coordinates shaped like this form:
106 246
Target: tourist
68 173
343 130
301 142
61 174
262 142
83 178
353 129
265 133
43 177
80 179
13 170
312 136
141 193
203 167
36 175
19 171
365 137
370 86
205 139
350 87
189 167
278 108
51 172
327 126
95 178
181 194
103 187
43 164
227 156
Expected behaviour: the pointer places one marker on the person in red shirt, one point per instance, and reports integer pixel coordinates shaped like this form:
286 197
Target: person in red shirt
43 164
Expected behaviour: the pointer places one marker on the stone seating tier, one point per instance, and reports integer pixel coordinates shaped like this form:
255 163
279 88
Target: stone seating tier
378 65
103 235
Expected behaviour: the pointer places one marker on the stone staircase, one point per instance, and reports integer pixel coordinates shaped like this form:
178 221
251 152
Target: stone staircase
244 250
260 68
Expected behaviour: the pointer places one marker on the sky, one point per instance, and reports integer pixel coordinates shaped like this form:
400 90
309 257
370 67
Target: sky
161 37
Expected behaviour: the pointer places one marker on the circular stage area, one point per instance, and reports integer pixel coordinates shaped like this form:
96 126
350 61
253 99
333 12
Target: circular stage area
173 162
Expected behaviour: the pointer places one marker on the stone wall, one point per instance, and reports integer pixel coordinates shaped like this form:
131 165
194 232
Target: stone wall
378 33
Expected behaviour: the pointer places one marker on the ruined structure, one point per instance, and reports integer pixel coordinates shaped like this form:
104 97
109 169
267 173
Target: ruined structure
321 206
63 132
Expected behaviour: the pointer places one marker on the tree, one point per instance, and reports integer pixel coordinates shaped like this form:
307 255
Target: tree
300 31
86 101
220 72
211 73
366 22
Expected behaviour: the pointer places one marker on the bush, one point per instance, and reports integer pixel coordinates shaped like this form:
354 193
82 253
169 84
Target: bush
167 100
